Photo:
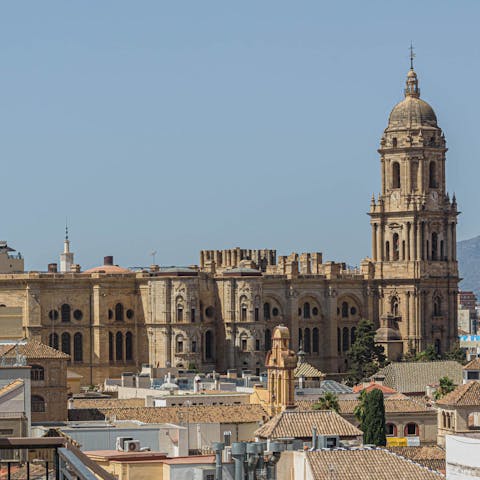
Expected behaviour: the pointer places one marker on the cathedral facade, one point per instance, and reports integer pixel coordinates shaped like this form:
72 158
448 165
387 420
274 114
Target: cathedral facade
221 314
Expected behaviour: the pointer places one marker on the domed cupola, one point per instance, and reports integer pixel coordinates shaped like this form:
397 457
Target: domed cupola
412 112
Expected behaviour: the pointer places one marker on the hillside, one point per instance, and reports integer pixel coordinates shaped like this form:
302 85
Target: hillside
468 253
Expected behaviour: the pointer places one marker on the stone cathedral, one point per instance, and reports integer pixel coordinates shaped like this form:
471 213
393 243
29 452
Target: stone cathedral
221 314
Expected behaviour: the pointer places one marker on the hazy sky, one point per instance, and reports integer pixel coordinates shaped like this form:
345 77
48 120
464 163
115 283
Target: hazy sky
184 125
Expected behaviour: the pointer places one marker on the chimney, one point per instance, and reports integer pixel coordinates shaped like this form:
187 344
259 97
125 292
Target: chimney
52 268
108 260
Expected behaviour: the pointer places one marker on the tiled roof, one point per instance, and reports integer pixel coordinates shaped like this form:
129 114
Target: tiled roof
366 464
373 386
397 403
464 395
34 350
308 371
413 377
298 424
10 386
195 414
473 364
431 456
106 402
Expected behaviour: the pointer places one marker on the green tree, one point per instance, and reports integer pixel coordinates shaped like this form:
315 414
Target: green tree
328 401
428 355
458 354
373 418
446 386
364 357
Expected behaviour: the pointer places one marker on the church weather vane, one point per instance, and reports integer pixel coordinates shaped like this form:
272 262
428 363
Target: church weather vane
412 56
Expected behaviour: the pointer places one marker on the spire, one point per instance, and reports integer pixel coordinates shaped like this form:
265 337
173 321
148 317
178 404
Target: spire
66 257
411 89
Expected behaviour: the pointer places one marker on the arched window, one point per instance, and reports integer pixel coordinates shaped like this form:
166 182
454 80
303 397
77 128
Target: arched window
300 339
353 335
53 340
345 339
110 346
37 373
438 346
387 251
179 313
306 341
396 247
449 421
411 430
268 340
395 175
266 311
394 142
192 315
208 345
78 347
38 404
315 341
432 175
128 346
119 347
434 246
243 342
119 312
394 306
243 313
179 344
256 314
306 310
66 343
390 430
437 307
339 340
345 310
65 312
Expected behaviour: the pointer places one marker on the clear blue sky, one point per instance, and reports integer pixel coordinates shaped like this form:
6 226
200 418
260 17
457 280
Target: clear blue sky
183 125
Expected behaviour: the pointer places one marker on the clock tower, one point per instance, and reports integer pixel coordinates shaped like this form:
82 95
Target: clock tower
413 225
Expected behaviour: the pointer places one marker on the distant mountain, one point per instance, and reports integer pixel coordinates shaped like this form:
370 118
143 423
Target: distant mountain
468 254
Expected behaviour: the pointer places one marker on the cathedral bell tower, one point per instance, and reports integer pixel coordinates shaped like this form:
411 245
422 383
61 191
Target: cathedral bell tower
413 225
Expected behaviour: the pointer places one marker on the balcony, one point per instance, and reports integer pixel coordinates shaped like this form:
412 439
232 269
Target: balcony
52 457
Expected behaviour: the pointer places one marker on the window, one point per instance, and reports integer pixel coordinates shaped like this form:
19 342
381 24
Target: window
65 313
38 404
256 314
275 312
110 314
209 312
396 250
353 311
129 346
77 314
339 340
394 306
53 340
119 347
315 341
315 311
300 338
66 343
78 347
110 346
306 341
353 335
437 307
209 345
391 430
345 310
345 339
243 313
438 346
266 311
193 348
192 315
306 310
257 345
394 142
268 340
395 175
37 373
243 344
473 375
411 429
432 175
434 246
387 251
179 313
130 314
119 312
53 315
179 347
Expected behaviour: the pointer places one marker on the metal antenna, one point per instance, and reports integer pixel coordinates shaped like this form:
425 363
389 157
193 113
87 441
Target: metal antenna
152 254
412 56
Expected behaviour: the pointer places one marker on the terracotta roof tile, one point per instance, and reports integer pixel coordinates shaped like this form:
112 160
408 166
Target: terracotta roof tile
373 386
467 394
308 371
106 402
473 364
196 414
298 424
32 349
431 456
10 387
413 377
366 464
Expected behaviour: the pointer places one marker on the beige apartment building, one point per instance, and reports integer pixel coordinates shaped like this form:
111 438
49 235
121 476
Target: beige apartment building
221 314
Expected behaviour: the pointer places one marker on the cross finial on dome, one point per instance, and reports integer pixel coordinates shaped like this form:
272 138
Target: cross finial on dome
412 56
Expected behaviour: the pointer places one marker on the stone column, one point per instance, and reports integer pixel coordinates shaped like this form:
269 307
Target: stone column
374 241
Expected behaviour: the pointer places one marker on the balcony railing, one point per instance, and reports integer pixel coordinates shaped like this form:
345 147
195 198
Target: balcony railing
55 454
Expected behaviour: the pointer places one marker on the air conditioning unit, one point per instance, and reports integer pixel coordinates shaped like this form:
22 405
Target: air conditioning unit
132 446
120 443
328 441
